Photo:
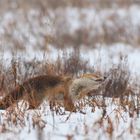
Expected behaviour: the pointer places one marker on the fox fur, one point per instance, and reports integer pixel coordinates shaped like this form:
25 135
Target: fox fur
34 90
63 88
84 85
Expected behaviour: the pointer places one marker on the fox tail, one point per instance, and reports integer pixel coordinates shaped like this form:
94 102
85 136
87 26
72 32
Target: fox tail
12 97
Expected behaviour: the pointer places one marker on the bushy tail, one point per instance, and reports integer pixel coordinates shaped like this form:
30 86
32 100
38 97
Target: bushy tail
12 97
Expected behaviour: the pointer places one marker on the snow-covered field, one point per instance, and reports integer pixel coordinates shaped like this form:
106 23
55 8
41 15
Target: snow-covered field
121 24
91 124
103 57
26 39
32 29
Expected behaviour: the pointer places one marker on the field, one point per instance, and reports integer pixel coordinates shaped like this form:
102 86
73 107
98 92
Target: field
71 38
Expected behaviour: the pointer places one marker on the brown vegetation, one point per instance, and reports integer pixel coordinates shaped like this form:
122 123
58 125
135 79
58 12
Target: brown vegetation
117 88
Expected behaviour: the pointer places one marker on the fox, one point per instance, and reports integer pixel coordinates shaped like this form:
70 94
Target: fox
54 88
36 89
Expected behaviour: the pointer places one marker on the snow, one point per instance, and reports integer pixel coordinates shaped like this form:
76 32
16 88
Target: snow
106 56
103 56
37 26
79 126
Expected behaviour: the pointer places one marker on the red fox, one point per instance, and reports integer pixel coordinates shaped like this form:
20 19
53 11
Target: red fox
64 88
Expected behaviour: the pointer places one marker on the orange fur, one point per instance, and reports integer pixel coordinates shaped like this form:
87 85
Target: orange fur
34 90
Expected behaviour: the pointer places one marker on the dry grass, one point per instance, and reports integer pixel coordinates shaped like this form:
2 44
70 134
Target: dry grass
113 29
117 89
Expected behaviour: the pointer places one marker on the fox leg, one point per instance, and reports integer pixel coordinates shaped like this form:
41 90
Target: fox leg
34 101
68 102
61 93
